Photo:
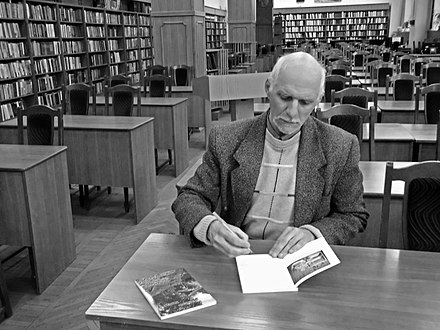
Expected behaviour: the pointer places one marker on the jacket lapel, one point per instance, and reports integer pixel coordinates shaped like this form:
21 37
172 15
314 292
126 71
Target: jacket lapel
310 182
244 177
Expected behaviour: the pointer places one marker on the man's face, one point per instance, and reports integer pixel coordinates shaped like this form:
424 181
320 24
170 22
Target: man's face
293 97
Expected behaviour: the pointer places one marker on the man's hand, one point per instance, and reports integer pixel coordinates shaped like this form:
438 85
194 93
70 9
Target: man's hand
290 240
233 243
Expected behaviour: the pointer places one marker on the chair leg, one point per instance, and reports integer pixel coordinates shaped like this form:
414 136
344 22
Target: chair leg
32 263
81 195
126 202
109 190
4 297
86 197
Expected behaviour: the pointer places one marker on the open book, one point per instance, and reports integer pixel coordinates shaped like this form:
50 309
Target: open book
173 293
263 273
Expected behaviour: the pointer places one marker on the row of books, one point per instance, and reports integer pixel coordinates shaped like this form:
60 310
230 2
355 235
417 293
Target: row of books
47 83
40 12
97 46
113 18
7 109
11 10
115 57
70 14
113 32
46 48
50 99
72 62
97 73
70 31
72 47
10 30
113 45
47 65
15 69
76 77
94 17
95 32
42 30
16 89
97 59
114 70
12 50
132 55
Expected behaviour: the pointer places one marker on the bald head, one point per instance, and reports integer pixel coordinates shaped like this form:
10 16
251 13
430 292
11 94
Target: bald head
299 65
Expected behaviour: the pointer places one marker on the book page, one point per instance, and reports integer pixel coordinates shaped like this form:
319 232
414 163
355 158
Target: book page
262 273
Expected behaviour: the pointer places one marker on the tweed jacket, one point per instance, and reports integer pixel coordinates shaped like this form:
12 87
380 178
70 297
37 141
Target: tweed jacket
328 192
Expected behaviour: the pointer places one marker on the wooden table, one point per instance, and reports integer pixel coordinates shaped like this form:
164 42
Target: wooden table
198 109
170 125
425 137
108 151
393 142
373 181
35 208
369 289
400 111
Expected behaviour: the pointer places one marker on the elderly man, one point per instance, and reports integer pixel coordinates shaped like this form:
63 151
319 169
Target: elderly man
283 176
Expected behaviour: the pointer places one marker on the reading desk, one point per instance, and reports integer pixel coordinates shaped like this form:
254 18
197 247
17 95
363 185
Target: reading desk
170 124
107 151
425 137
35 208
400 111
370 289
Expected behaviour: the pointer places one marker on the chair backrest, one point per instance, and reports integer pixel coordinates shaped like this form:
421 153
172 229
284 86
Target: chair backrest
120 79
40 125
335 82
76 99
359 58
420 211
431 96
350 118
383 69
181 75
355 95
418 64
339 69
386 55
432 73
403 84
123 98
157 86
157 69
405 63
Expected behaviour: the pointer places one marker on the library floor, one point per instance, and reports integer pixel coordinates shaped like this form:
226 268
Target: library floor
105 239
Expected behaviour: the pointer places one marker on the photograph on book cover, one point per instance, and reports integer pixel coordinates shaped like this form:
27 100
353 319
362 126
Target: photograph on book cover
307 265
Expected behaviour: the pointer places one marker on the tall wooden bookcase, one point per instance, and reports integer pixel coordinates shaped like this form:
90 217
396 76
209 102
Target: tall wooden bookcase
324 24
45 45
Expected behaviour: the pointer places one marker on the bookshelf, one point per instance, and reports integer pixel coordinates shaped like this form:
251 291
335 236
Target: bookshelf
324 24
44 45
215 34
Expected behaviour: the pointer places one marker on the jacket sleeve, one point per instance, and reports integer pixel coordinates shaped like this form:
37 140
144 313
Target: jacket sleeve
343 214
199 197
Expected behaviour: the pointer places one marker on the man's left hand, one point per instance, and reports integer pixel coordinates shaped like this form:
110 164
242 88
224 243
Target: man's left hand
290 240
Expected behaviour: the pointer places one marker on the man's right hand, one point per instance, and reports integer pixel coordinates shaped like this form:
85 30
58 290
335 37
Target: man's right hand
230 244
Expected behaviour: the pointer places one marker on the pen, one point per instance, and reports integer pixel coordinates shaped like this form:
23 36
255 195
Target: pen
224 224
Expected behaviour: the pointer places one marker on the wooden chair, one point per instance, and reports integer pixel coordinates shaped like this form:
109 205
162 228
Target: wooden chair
359 59
431 96
123 100
432 73
335 82
157 69
181 75
355 95
383 70
5 307
339 69
40 125
123 97
403 86
351 117
420 211
405 64
157 86
417 66
76 99
119 79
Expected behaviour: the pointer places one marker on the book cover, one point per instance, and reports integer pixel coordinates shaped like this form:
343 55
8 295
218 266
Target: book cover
174 292
262 273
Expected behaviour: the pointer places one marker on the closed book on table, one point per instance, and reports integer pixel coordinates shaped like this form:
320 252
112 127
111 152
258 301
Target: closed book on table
174 292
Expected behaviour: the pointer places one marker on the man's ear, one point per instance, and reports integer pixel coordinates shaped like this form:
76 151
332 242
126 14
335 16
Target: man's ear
267 86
